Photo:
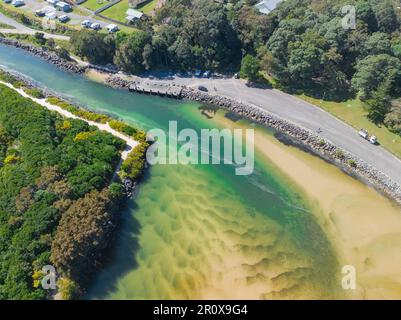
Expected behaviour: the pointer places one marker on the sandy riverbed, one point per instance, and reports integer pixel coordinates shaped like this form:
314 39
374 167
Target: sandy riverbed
363 225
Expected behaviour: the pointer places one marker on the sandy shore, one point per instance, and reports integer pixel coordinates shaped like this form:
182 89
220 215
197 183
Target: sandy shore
363 225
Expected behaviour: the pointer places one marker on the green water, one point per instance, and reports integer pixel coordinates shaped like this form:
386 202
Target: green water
198 231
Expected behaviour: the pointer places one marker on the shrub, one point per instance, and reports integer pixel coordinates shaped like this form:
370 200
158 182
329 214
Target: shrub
122 127
134 165
36 93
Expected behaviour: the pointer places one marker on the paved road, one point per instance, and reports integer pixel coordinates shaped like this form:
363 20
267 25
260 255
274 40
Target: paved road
21 29
306 115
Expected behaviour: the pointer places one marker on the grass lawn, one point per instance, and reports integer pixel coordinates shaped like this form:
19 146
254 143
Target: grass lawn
94 4
148 7
352 112
118 11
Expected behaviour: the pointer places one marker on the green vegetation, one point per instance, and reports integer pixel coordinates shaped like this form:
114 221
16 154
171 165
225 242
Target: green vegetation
5 26
30 20
148 7
79 112
122 127
55 203
118 11
134 165
36 93
94 4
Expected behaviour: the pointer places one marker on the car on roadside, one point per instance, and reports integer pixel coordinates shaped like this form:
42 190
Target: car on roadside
96 26
64 18
86 23
198 73
112 28
51 15
202 88
236 76
207 74
18 3
40 13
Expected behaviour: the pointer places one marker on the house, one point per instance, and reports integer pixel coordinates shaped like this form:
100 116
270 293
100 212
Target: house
62 6
267 6
133 15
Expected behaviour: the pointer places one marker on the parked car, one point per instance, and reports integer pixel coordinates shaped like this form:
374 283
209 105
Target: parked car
112 28
52 2
96 26
198 73
7 1
64 18
236 76
40 13
18 3
52 15
207 74
86 23
202 88
364 134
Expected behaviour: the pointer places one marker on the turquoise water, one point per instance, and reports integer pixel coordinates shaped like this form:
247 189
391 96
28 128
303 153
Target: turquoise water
197 231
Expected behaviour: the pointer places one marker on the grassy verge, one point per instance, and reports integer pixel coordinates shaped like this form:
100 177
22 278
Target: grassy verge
5 26
353 113
118 11
31 21
94 4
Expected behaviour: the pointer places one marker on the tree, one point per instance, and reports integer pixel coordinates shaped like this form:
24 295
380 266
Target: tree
379 104
130 52
82 234
385 15
305 61
250 68
372 71
92 46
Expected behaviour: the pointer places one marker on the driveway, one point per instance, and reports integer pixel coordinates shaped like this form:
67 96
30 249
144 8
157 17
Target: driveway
21 29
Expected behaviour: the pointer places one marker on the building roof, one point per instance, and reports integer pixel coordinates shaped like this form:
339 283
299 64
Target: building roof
267 6
133 14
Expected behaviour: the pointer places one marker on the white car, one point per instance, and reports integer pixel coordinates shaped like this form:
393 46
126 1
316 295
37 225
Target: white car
373 140
18 3
64 18
86 23
52 15
96 26
112 28
40 13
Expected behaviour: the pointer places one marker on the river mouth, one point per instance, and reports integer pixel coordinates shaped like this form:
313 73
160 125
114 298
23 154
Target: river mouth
201 232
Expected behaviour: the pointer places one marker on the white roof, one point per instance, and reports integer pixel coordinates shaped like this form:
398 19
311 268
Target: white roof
63 4
267 6
132 14
111 26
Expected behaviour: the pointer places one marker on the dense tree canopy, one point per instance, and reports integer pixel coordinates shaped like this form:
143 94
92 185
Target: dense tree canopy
54 166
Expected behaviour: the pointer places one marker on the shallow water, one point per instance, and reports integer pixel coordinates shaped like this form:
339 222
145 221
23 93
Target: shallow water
203 232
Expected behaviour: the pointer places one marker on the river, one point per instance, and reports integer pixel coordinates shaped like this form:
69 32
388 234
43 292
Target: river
200 231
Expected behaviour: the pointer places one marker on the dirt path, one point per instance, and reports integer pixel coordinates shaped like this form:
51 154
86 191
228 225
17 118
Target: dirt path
131 143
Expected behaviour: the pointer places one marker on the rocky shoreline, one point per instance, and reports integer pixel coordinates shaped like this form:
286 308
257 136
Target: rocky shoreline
312 141
49 56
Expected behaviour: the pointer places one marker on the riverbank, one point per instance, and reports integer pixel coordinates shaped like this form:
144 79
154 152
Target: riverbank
350 163
346 209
